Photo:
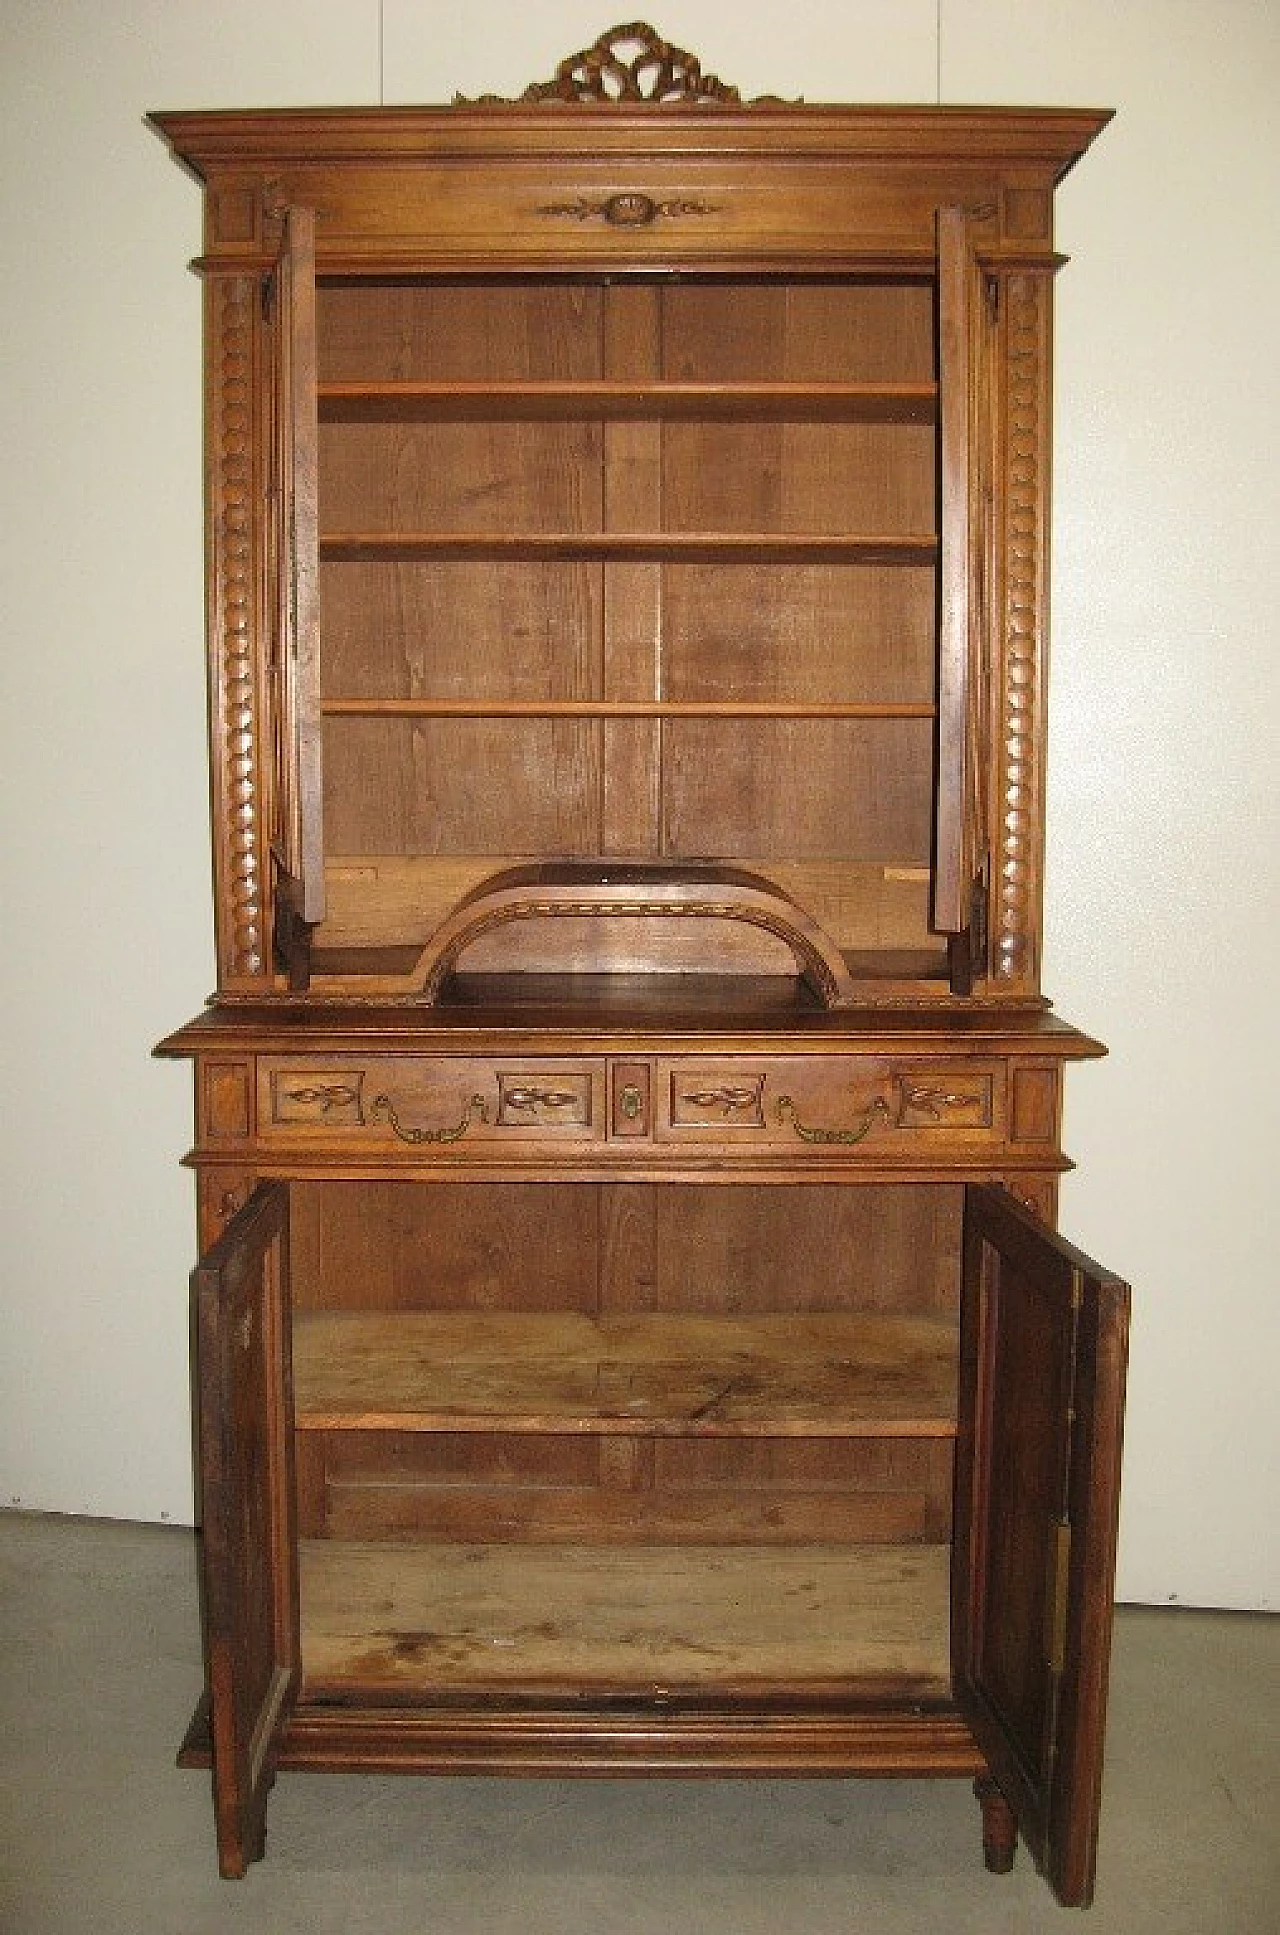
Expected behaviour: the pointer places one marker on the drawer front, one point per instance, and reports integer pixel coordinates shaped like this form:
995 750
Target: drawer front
822 1106
428 1101
829 1103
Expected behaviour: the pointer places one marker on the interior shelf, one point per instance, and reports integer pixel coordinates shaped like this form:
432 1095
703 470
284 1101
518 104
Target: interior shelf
353 705
642 1620
399 402
798 1375
632 547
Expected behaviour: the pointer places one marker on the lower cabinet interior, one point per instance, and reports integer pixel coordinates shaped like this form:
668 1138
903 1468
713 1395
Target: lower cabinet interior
634 1442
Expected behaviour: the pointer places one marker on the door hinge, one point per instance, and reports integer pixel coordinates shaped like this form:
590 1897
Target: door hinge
268 295
1058 1578
992 287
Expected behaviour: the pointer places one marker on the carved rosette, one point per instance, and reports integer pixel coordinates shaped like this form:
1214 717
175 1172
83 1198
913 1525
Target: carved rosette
232 313
1015 839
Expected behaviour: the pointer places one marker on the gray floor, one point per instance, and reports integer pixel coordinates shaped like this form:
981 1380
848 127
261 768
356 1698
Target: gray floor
99 1670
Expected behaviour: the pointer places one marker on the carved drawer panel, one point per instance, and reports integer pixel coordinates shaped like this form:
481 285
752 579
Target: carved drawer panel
427 1101
828 1103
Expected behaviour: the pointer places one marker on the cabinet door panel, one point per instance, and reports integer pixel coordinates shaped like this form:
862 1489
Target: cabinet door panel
240 1288
964 488
1042 1360
295 536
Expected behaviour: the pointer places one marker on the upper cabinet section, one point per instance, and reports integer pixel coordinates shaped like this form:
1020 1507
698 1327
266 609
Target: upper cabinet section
624 487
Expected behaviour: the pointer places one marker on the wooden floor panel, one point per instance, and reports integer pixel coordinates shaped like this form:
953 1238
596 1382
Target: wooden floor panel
640 1620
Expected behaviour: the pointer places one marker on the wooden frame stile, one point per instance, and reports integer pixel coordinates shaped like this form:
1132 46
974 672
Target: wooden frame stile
1041 1396
298 852
240 1290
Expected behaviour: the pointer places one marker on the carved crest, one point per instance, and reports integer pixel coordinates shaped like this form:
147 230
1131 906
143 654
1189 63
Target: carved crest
628 64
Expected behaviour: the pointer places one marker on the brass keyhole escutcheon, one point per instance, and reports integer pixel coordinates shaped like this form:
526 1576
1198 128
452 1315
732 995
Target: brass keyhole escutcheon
631 1102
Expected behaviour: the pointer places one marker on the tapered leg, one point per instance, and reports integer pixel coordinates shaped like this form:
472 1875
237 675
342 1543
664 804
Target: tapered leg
999 1826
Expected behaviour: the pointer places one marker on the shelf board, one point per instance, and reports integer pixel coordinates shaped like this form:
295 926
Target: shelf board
632 547
352 705
433 1619
416 402
799 1375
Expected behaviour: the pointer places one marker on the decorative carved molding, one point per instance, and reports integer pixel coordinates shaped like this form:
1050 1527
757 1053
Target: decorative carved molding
241 936
934 1102
628 65
564 1102
630 210
728 1100
1015 838
528 1098
333 1095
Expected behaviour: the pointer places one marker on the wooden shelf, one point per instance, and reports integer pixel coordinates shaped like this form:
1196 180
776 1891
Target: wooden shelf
787 1376
641 1620
638 547
411 402
352 705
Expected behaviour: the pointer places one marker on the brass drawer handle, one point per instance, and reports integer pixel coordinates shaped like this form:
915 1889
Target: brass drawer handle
530 1098
845 1138
382 1109
629 210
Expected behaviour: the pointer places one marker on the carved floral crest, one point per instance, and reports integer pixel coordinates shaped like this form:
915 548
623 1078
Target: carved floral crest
628 64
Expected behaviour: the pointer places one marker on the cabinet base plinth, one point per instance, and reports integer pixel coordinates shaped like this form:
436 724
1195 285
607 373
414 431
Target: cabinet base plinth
904 1743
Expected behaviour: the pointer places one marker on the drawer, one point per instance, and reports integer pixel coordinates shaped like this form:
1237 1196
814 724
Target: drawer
829 1102
430 1101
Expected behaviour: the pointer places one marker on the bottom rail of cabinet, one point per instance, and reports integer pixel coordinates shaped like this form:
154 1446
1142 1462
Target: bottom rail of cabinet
911 1743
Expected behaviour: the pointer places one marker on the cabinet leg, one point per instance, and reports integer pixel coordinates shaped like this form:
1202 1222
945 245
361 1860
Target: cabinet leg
242 1835
999 1826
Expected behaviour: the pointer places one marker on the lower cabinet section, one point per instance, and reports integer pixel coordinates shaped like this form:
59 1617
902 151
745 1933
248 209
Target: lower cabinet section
660 1478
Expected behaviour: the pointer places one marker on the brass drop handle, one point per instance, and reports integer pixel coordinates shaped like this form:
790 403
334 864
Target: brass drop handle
844 1138
382 1109
529 1098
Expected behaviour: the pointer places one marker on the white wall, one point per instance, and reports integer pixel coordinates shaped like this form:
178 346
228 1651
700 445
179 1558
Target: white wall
1163 824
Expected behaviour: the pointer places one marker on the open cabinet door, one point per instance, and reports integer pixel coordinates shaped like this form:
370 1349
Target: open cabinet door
298 803
249 1551
1042 1364
959 889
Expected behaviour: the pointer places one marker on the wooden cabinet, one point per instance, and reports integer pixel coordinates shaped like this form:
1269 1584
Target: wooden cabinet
631 1332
